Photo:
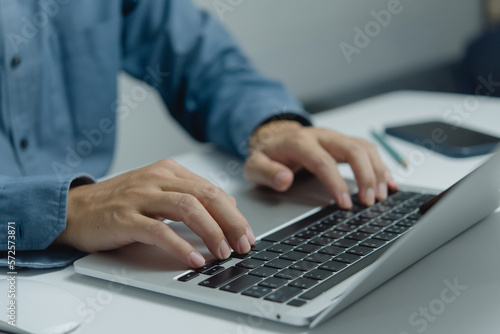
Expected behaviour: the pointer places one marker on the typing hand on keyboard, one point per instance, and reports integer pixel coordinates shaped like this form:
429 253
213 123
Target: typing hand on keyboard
280 148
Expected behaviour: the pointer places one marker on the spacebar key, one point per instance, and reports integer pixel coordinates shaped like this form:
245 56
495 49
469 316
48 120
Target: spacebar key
223 277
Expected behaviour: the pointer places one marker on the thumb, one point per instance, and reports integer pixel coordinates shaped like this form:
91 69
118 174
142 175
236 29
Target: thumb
262 170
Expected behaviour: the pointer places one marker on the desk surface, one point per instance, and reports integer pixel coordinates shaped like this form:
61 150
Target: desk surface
471 259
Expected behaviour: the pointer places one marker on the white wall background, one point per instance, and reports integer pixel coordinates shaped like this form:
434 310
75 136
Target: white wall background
298 41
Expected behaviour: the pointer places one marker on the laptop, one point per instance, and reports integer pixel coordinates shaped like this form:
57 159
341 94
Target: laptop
313 266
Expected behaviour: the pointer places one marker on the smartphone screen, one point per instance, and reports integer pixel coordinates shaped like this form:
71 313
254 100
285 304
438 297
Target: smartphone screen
445 138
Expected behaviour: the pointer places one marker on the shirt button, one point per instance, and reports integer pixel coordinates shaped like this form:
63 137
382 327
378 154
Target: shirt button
15 61
24 143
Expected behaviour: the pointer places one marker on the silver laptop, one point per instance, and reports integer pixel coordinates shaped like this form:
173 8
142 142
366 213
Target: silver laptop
310 268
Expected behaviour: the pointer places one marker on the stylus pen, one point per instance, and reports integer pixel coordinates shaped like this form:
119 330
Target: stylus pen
389 149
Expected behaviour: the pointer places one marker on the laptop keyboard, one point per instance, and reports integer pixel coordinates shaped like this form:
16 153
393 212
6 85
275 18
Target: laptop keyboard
303 260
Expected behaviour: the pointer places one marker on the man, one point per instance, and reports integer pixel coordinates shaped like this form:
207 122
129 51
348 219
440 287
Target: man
60 59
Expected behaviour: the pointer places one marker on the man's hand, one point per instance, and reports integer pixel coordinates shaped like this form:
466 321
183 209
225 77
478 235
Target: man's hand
280 148
130 208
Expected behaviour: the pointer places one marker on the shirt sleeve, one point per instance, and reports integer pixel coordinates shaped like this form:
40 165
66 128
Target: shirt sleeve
34 207
207 83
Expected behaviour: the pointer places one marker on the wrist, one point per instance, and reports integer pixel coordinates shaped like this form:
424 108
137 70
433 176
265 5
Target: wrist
265 132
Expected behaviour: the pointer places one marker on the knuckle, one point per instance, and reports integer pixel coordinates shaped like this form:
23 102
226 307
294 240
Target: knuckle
322 161
300 136
354 150
168 163
155 230
153 174
211 192
187 204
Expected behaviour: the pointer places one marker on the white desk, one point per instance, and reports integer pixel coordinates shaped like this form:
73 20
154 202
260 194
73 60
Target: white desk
471 258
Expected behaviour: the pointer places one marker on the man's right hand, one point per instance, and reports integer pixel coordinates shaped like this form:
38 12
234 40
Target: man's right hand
130 208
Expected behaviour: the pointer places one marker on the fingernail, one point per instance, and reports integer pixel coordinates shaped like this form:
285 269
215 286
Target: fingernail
382 190
250 236
196 260
224 250
390 180
346 200
280 179
370 196
244 245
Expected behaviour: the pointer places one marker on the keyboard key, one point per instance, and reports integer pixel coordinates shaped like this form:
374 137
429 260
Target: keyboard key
273 282
250 263
241 283
415 216
406 222
307 234
370 214
381 222
370 229
293 256
264 271
334 234
242 256
288 274
318 258
307 248
346 228
333 266
380 207
303 283
189 276
358 236
279 263
385 236
265 256
205 267
345 243
359 221
223 277
393 216
280 248
261 245
257 291
344 214
293 241
320 227
296 302
318 274
331 250
360 250
397 229
321 241
289 230
340 277
347 258
304 265
283 294
373 243
404 210
213 270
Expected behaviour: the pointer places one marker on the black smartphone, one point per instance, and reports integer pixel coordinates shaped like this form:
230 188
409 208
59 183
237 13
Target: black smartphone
444 138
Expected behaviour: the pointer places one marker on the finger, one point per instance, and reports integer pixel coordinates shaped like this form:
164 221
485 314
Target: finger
153 232
318 161
220 206
261 170
349 150
380 170
186 208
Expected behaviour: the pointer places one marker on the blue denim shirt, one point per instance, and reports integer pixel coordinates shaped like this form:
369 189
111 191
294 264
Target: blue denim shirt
59 61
